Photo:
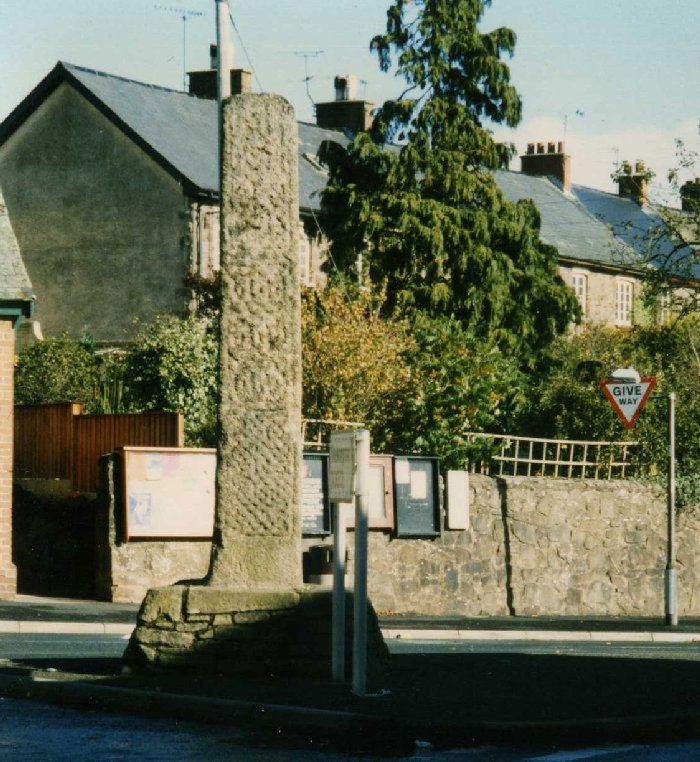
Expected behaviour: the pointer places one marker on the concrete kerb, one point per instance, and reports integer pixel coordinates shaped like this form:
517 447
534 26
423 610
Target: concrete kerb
22 627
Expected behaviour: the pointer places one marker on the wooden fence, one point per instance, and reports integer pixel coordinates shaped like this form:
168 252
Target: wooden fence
57 442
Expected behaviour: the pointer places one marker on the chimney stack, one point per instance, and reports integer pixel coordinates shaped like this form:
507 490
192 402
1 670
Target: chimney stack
632 181
690 196
346 112
203 84
554 163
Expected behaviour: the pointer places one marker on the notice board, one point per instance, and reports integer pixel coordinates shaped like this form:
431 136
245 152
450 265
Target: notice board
168 492
416 490
315 505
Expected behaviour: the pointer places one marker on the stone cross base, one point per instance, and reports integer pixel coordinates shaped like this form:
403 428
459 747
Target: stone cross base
245 632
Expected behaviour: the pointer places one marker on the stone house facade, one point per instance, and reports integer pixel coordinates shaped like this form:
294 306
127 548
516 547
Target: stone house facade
16 303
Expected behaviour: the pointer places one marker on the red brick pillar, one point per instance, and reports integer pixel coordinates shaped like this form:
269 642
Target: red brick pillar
8 571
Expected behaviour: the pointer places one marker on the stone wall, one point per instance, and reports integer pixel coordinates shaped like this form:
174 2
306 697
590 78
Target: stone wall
533 547
542 547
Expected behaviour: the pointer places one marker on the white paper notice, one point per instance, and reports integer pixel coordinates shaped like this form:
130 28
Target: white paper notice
419 485
403 472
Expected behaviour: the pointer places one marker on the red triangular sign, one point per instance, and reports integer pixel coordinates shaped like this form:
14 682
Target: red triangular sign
628 398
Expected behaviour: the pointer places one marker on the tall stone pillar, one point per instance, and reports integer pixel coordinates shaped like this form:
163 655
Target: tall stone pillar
252 613
257 541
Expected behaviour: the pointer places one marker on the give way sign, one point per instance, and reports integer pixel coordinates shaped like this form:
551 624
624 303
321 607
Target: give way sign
628 398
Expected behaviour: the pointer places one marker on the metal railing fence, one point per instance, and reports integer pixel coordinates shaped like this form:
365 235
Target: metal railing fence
508 455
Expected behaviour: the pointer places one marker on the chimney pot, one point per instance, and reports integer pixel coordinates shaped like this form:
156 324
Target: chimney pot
560 146
551 148
345 87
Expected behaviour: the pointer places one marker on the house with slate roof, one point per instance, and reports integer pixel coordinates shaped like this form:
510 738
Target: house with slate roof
605 240
113 189
16 303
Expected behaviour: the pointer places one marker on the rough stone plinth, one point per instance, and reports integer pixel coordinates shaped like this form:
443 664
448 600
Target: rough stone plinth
218 630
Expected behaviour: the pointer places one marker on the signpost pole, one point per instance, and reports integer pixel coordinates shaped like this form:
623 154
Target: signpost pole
342 487
359 655
671 569
338 638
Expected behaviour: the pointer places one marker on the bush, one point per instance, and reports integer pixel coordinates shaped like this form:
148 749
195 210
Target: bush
57 370
172 366
568 403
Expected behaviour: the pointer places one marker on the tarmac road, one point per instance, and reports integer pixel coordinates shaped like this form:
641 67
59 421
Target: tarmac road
31 731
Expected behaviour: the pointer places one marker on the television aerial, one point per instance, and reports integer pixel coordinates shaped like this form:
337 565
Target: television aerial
186 14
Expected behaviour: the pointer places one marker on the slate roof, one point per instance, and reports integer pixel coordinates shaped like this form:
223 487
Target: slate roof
567 223
641 228
14 281
178 130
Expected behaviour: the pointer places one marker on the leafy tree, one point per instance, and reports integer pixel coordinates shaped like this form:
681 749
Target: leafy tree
419 385
667 241
460 385
427 214
355 363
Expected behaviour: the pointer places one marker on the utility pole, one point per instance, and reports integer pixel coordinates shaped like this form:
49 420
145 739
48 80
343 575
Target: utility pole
186 14
224 50
224 64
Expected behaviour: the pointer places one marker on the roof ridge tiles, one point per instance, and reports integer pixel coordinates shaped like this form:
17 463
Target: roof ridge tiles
87 70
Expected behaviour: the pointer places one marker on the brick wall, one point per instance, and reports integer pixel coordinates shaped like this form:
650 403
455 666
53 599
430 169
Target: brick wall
8 571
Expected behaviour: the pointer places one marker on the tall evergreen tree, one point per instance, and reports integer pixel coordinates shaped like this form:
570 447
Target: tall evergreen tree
417 195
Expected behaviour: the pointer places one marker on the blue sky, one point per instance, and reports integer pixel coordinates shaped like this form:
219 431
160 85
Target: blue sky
631 67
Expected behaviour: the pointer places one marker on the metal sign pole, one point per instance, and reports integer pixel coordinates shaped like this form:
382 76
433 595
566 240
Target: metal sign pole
359 655
671 569
338 638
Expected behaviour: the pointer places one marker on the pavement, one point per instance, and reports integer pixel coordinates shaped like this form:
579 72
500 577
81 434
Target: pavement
445 685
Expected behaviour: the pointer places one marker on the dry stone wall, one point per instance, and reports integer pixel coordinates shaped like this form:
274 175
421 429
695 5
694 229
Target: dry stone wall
533 547
542 547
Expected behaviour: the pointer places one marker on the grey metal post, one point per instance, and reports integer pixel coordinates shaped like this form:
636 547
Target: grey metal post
359 654
338 637
671 569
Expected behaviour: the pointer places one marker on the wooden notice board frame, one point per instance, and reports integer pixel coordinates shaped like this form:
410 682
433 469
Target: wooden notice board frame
168 492
381 495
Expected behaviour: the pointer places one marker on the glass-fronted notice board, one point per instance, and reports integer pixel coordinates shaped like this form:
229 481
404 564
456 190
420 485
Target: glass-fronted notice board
168 492
416 492
315 507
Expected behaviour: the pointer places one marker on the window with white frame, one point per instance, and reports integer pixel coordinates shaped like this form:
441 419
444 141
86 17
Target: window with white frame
624 302
305 259
664 307
579 283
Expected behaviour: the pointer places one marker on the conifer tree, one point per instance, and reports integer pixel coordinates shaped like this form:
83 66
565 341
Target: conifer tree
417 195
